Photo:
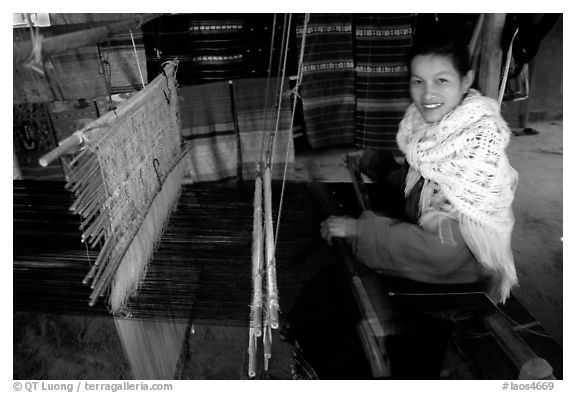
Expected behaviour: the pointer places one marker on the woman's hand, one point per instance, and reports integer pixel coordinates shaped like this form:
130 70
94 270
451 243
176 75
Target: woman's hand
337 227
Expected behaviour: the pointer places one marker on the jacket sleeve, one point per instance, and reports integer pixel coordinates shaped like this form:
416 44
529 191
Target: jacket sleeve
407 250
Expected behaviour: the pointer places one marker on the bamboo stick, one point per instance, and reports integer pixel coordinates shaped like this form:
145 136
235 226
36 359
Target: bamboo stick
272 305
107 275
87 195
267 344
257 254
101 232
252 347
103 255
66 145
81 168
95 227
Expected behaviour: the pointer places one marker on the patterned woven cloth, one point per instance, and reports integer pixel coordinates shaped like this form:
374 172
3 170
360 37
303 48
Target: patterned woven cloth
327 88
224 135
382 95
355 78
463 157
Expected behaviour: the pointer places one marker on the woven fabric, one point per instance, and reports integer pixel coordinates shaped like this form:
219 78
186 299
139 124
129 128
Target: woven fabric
381 45
125 184
463 157
355 78
208 126
218 47
327 88
208 47
208 132
215 48
33 136
139 153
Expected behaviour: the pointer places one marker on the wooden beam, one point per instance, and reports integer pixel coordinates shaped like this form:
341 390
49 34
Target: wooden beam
531 366
22 51
370 297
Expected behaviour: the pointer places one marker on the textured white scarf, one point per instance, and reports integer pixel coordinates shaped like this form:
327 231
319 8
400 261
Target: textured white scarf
464 154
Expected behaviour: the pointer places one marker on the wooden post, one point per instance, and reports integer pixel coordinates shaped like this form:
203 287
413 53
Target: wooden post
531 366
491 55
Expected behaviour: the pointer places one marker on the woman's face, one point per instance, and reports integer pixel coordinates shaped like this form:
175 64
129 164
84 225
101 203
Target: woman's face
436 86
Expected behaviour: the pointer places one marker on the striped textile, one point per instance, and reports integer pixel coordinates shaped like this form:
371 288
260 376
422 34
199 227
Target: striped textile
355 81
209 47
327 87
381 45
216 48
208 116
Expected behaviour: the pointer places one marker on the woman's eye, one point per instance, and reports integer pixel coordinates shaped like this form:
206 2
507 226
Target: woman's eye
442 80
416 82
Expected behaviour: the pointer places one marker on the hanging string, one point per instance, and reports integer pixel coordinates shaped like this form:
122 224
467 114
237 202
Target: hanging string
269 75
272 140
106 71
295 90
277 93
137 61
34 60
265 228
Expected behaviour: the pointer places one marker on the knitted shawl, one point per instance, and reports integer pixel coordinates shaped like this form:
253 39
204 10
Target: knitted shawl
464 155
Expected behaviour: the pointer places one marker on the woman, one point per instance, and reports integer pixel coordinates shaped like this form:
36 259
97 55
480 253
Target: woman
459 185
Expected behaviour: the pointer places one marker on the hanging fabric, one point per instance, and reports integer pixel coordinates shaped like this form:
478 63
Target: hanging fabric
209 133
355 78
328 85
381 43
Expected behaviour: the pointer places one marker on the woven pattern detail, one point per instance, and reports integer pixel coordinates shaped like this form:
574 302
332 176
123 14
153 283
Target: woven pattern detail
137 155
126 184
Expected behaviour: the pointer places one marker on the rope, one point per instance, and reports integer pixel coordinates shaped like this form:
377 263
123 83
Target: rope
137 61
106 71
295 92
34 60
272 148
269 71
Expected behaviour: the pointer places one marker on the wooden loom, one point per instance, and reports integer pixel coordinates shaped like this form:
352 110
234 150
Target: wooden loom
382 305
124 199
96 231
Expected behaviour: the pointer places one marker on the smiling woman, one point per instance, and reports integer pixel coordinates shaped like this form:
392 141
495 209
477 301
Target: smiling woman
440 76
457 182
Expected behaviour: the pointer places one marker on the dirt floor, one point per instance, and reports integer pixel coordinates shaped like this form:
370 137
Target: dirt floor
48 346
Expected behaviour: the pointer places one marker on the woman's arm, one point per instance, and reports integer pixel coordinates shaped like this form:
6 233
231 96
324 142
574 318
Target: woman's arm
407 250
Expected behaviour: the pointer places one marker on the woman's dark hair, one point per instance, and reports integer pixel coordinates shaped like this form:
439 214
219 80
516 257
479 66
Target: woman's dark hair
444 42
